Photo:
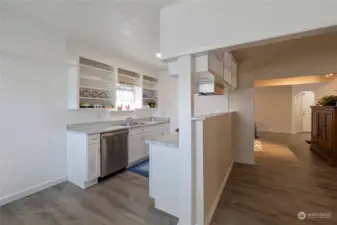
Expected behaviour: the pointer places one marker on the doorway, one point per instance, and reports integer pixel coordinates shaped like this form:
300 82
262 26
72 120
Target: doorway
307 100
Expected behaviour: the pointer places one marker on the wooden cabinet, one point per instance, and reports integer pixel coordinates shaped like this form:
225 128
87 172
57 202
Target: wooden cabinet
324 132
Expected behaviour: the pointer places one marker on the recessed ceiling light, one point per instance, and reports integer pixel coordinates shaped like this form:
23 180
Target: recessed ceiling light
158 55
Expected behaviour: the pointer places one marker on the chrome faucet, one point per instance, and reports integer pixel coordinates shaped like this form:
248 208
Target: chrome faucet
128 121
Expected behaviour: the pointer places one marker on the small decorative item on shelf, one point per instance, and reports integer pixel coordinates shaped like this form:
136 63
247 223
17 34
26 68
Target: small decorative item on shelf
330 100
85 93
108 106
85 105
127 107
98 106
103 95
120 108
152 104
94 94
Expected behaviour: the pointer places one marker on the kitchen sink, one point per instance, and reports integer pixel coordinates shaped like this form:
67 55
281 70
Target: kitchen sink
133 124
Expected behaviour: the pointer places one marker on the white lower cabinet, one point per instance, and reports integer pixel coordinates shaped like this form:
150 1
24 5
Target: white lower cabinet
138 149
84 153
134 148
83 159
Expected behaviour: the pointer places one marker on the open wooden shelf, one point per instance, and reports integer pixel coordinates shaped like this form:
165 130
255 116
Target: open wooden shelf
107 99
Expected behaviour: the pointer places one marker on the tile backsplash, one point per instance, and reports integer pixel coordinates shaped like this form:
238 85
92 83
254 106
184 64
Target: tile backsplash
86 116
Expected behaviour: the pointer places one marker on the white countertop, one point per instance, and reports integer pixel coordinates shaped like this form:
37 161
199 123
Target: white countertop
102 127
207 116
170 140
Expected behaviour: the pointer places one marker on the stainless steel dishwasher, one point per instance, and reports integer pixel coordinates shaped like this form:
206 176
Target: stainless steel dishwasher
114 155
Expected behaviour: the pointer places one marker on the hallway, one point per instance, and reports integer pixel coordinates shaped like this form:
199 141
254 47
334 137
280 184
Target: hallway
287 179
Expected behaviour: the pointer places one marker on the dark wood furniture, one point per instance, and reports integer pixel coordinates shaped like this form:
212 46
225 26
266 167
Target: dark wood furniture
324 132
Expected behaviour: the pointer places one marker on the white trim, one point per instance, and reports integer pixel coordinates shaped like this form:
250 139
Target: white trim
274 131
217 199
200 217
30 191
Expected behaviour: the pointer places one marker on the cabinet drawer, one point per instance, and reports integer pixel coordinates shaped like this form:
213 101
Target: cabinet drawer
135 131
93 139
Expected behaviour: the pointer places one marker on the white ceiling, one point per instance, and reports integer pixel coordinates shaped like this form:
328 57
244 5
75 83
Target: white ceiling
129 29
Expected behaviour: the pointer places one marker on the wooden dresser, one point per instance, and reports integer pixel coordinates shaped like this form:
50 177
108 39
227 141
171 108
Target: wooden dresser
324 132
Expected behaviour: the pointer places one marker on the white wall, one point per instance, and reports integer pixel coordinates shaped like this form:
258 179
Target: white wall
168 99
34 114
242 102
210 104
216 24
273 109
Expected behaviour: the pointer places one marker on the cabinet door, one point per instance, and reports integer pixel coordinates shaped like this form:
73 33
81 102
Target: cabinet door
215 65
314 128
234 73
94 162
135 148
145 147
328 135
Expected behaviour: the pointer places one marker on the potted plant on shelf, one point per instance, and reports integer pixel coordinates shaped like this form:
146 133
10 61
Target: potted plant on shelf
152 104
328 100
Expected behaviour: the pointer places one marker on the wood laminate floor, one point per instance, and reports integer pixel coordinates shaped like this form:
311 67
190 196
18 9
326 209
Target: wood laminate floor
121 200
287 179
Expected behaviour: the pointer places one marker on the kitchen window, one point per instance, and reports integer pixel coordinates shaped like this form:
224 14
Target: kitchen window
125 97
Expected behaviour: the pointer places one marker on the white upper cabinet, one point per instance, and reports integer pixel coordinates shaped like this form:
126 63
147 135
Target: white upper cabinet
93 84
210 64
227 66
230 69
90 85
234 73
215 64
209 73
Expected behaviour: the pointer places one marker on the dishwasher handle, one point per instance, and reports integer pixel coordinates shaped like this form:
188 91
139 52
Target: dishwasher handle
109 134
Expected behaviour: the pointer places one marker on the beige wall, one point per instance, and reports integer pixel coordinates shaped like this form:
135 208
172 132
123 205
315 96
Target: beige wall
273 109
242 102
315 55
217 158
326 89
276 109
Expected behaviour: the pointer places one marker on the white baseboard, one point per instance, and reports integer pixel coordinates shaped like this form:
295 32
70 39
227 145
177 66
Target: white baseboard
30 191
217 199
274 131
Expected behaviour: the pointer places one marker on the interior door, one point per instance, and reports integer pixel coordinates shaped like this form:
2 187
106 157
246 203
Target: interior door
308 100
